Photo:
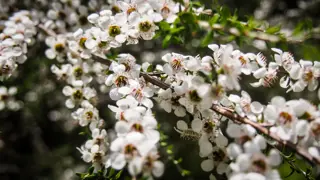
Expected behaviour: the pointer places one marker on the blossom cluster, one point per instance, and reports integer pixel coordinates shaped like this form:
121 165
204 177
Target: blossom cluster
16 36
136 129
193 85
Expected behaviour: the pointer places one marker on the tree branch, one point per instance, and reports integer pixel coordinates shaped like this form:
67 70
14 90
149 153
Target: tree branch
235 117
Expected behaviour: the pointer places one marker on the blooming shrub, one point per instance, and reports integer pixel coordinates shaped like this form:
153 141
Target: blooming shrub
238 137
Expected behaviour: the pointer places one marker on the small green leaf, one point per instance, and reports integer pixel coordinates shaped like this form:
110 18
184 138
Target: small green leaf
164 26
166 41
273 30
118 175
91 169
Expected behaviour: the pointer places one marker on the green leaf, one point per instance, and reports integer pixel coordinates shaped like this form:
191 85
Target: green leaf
91 169
164 26
111 172
150 68
214 19
166 41
273 30
118 175
207 39
176 30
188 18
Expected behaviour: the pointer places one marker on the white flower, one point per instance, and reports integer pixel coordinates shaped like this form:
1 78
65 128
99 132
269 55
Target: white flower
76 95
244 106
169 102
86 114
283 116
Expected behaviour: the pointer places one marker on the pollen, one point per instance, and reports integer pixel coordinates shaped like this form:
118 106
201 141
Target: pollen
145 26
285 117
131 9
78 72
208 126
194 96
59 47
121 81
165 11
114 31
176 64
308 75
115 9
89 115
242 60
259 165
77 95
137 127
129 149
82 42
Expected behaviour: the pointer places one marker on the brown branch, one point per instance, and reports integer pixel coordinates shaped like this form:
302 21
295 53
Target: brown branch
260 127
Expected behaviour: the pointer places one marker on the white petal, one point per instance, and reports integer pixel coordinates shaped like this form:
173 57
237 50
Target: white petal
119 162
196 125
302 128
207 165
221 141
135 166
182 125
256 107
274 158
90 43
158 168
234 130
234 98
122 127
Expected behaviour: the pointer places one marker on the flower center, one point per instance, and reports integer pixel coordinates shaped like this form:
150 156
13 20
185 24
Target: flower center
62 15
137 127
315 128
129 149
176 64
148 163
89 115
208 126
306 116
242 60
165 11
5 69
131 9
78 72
308 75
127 66
218 155
138 93
82 42
145 26
59 47
102 44
77 95
121 81
259 165
114 30
97 157
194 96
115 10
285 117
